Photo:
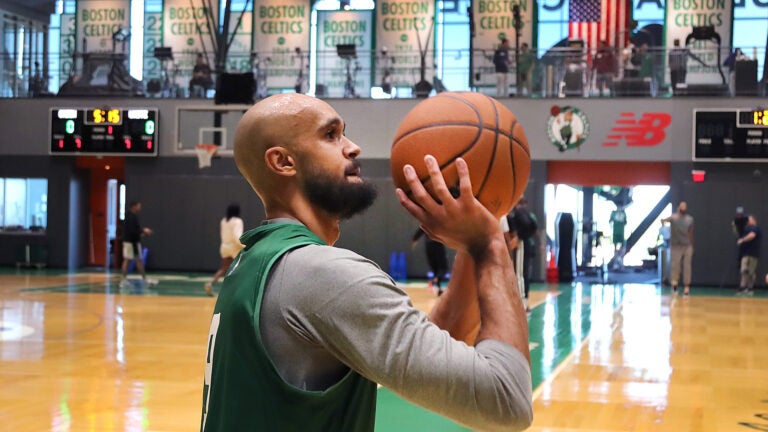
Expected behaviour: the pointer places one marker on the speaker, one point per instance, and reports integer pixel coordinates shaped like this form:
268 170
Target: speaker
632 87
746 77
235 89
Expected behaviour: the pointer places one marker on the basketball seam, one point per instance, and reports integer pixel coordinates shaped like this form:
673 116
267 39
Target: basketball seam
479 126
495 147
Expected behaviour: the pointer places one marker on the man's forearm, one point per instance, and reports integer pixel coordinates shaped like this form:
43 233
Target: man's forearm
457 311
501 309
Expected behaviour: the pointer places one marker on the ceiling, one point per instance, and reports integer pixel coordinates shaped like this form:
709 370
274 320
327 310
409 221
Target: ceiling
35 9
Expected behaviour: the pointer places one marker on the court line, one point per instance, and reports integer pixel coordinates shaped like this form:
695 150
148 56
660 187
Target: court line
566 361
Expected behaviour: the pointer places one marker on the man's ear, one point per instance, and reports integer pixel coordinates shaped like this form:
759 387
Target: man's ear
279 160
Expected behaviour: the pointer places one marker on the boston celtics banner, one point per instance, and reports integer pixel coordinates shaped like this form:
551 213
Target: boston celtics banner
681 17
344 77
401 26
493 22
239 58
98 20
281 39
187 31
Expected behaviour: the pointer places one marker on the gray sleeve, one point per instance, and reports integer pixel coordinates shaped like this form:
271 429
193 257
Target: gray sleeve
357 312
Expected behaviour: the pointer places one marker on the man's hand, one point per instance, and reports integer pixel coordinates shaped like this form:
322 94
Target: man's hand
461 223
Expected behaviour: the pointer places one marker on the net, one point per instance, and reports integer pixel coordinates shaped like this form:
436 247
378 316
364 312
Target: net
205 153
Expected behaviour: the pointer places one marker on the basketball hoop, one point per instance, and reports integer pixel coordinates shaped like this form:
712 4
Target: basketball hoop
204 154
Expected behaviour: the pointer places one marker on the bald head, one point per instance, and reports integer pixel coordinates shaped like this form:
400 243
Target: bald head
682 207
277 121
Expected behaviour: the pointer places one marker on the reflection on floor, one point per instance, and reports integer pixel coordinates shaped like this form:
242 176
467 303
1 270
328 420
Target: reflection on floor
79 353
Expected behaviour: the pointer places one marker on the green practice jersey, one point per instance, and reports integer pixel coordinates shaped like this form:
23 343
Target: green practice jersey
243 391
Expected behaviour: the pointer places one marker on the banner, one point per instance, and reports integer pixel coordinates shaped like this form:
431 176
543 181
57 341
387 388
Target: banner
681 17
187 31
401 27
153 38
67 47
349 77
281 39
239 58
493 22
98 20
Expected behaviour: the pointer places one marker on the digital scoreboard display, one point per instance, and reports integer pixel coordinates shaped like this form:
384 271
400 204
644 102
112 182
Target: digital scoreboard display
730 135
103 131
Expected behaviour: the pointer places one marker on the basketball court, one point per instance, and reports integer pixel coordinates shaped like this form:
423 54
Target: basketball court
80 354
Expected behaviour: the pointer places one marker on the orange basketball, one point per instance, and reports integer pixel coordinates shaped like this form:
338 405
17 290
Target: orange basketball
475 127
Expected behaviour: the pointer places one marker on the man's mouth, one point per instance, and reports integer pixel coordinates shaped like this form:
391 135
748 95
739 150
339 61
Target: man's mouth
353 170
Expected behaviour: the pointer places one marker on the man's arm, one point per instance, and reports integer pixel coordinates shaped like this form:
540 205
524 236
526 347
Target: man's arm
748 237
488 294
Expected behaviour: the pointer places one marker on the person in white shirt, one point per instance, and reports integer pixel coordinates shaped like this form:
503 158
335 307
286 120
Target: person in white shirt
231 228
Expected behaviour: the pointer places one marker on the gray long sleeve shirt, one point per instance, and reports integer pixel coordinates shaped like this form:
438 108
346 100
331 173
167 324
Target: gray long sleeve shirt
326 310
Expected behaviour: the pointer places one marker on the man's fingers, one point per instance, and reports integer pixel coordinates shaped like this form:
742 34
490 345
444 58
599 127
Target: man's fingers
411 207
465 185
439 188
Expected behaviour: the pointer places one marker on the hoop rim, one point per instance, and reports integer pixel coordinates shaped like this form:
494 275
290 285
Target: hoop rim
208 148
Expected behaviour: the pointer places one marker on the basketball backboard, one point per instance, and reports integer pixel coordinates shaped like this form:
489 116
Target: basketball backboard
207 125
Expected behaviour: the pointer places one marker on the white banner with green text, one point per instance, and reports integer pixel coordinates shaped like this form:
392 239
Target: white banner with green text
681 18
405 31
281 40
98 21
342 73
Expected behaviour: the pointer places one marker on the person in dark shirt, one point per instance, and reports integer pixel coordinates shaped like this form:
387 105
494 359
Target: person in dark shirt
437 258
201 80
749 249
501 66
678 63
132 232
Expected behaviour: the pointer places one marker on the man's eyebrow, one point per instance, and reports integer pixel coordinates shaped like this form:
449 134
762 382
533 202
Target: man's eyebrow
332 123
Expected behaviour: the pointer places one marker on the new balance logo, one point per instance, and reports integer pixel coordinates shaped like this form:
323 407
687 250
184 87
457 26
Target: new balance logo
648 131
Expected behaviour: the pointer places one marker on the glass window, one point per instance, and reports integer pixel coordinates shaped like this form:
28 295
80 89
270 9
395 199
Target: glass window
749 20
23 204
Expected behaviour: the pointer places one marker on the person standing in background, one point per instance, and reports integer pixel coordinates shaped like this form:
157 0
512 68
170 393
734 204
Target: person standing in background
678 64
681 244
437 258
618 223
605 66
132 250
501 65
524 225
526 64
230 230
749 249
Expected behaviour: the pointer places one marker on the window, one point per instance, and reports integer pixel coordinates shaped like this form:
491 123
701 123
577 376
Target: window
23 204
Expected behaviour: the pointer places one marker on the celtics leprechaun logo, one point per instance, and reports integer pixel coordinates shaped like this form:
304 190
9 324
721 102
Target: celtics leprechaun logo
567 127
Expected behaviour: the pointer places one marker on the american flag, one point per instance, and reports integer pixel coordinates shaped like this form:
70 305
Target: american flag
596 20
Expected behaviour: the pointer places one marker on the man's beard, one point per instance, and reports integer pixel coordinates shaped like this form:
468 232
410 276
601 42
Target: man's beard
338 196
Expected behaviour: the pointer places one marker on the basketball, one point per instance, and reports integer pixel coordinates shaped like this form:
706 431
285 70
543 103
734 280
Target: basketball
475 127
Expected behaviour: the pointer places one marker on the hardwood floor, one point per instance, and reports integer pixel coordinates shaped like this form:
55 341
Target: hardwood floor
77 353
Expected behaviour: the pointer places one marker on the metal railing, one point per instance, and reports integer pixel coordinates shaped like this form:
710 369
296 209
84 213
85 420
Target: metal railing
553 73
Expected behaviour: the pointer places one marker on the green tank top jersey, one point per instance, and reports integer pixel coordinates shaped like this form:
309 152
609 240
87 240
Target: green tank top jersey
243 391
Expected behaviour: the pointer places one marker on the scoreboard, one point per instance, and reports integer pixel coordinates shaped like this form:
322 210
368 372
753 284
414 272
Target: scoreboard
103 131
730 135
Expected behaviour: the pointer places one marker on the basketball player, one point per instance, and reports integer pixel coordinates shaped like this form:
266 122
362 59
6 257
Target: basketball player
437 258
132 233
302 331
230 230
